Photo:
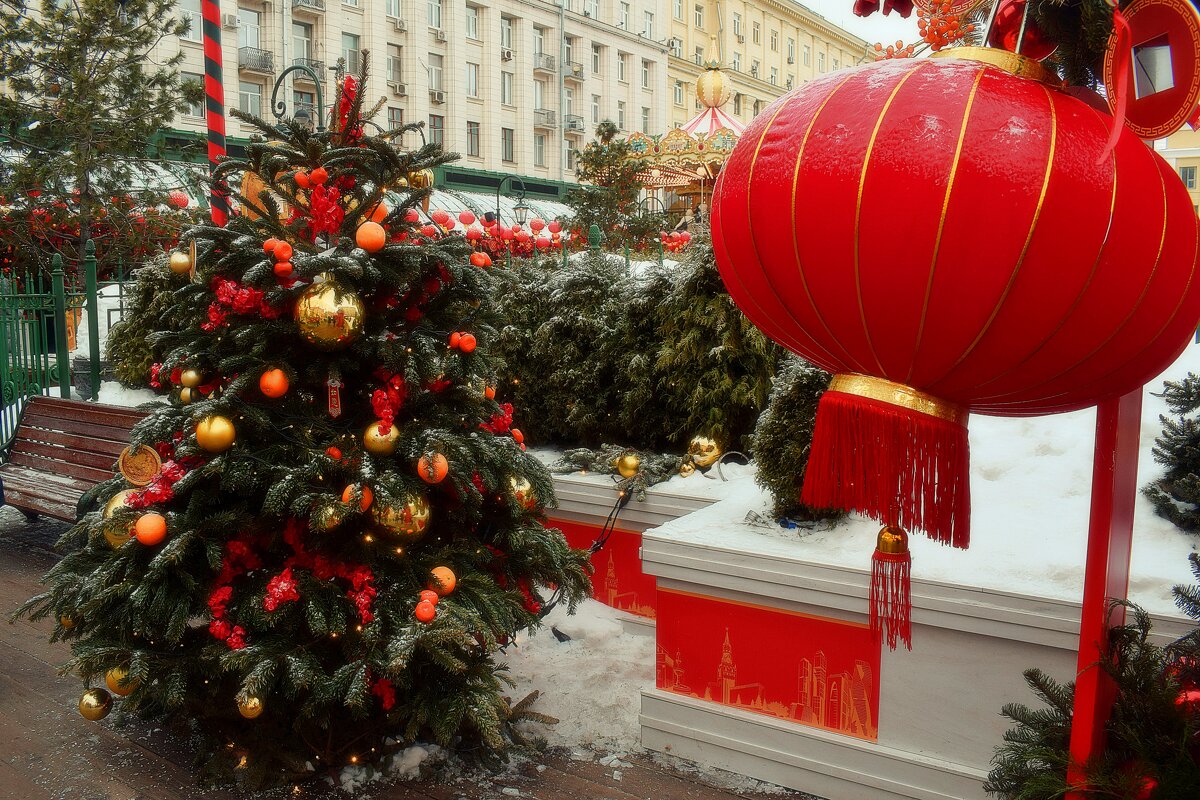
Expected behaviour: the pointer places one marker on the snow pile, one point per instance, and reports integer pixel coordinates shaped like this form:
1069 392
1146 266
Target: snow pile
108 308
402 765
114 394
1030 486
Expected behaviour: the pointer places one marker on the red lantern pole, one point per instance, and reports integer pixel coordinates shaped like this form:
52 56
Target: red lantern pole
214 90
1110 535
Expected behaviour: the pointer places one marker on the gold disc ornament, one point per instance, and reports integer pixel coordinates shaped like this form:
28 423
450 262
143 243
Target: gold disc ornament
380 444
139 465
117 681
329 318
249 706
95 704
215 434
406 521
704 451
629 464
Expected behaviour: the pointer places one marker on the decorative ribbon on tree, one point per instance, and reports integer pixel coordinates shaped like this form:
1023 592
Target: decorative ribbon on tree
946 236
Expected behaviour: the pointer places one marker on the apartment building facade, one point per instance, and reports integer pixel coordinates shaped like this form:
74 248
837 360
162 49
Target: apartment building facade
766 47
514 86
1182 151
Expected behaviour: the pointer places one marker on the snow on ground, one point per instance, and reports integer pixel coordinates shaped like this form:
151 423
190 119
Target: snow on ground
108 303
114 394
1030 494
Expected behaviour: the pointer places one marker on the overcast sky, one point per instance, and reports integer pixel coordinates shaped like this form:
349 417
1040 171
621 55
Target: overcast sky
875 28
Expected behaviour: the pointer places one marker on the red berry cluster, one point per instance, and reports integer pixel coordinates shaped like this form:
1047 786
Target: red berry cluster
940 28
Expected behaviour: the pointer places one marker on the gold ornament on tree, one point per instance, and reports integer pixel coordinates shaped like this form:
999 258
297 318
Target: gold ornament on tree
116 501
407 521
117 680
95 704
704 451
522 491
215 434
380 444
66 621
139 464
180 263
250 706
116 533
191 378
686 467
329 318
629 464
188 395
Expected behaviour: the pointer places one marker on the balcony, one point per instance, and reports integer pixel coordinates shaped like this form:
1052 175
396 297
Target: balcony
313 64
255 59
573 71
543 118
312 6
573 123
543 61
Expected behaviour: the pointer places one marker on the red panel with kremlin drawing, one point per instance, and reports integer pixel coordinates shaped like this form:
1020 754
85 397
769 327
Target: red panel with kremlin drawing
618 580
811 670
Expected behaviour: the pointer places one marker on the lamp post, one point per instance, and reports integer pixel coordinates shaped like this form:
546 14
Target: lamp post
520 209
302 117
649 200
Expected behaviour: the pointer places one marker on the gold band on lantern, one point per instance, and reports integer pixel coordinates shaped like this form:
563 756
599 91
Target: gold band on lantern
1012 63
897 394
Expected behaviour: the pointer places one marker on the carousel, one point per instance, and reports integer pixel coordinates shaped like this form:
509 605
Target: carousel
683 163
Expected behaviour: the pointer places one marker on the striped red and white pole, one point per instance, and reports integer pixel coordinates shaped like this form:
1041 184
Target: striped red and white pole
214 91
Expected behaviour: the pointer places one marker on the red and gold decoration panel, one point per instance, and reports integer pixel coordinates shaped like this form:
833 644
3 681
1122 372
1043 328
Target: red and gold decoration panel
812 670
617 577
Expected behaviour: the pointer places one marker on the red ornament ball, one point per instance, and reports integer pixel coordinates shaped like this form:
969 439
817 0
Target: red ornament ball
467 343
282 250
429 596
479 259
433 467
318 176
454 340
370 236
1007 27
425 611
283 269
301 178
333 452
269 245
412 216
273 383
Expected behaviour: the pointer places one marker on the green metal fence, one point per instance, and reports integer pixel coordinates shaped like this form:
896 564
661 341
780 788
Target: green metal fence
35 314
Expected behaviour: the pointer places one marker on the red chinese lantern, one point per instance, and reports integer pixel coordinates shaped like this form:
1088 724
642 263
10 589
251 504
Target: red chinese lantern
947 237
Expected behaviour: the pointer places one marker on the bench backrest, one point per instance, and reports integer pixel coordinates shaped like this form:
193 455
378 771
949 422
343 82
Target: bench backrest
71 437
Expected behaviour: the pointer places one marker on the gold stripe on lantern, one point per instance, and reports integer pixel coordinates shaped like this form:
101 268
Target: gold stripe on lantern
897 394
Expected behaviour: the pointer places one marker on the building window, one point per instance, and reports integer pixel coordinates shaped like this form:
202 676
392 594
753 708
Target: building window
757 107
350 52
677 9
597 58
754 68
791 51
791 80
437 129
737 24
737 62
302 34
774 76
569 43
395 73
473 138
350 3
539 94
645 74
472 80
539 40
807 55
1188 176
395 117
392 8
836 64
250 98
570 158
506 88
623 67
699 54
595 109
645 119
434 13
676 46
592 9
508 145
436 65
621 114
539 149
506 32
569 101
698 19
820 62
678 93
195 109
757 33
190 11
249 28
775 41
304 100
737 104
648 24
623 20
472 22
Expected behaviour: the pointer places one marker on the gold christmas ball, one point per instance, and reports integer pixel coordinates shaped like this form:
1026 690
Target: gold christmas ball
117 501
704 451
191 378
249 706
407 521
117 535
181 262
522 490
380 444
686 468
187 395
215 434
629 464
95 704
421 179
115 679
325 519
329 318
66 621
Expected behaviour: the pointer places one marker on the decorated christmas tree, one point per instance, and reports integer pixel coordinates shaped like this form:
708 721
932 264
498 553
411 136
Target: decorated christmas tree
1176 495
315 549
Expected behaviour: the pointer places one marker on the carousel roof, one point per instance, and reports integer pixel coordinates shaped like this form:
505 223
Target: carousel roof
711 120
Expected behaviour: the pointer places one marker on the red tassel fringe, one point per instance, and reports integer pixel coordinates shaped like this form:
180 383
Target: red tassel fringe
891 597
896 466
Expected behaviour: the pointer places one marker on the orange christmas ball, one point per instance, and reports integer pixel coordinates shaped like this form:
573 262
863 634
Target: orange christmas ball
517 435
367 498
150 529
433 467
467 343
283 269
378 213
283 251
442 580
318 176
273 383
301 178
425 611
371 237
489 392
429 596
269 245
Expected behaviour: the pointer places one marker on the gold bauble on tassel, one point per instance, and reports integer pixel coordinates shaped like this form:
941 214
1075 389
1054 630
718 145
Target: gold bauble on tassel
250 706
329 318
188 395
629 464
704 451
215 434
95 704
406 522
380 444
420 179
180 263
522 491
191 378
115 679
892 540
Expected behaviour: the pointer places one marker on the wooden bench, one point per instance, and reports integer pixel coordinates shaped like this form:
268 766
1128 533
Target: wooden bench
61 449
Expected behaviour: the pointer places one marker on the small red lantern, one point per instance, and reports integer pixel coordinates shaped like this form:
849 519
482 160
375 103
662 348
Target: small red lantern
945 237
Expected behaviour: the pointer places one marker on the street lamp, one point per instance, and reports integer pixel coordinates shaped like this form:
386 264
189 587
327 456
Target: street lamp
520 209
303 117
